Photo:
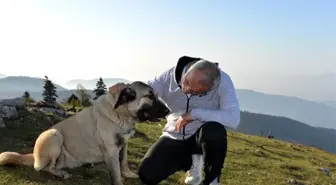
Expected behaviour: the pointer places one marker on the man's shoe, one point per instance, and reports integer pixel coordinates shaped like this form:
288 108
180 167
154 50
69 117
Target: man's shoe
194 174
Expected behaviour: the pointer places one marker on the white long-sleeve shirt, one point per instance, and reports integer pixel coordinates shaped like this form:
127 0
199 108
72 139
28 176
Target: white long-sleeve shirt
219 105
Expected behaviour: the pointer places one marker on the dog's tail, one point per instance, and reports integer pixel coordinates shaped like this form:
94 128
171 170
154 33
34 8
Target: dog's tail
13 158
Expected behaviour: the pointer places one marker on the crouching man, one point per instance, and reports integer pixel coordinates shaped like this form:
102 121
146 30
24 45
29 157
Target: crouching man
203 103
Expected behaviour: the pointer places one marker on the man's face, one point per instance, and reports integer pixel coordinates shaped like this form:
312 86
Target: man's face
191 83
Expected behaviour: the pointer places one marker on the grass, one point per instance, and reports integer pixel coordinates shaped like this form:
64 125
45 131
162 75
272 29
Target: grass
251 160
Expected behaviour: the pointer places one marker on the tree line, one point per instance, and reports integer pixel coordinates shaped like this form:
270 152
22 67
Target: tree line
82 98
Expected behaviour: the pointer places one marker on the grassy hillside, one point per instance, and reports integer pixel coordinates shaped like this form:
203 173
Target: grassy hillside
251 160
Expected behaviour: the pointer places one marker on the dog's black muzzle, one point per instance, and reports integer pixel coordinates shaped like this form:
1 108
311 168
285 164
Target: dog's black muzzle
153 112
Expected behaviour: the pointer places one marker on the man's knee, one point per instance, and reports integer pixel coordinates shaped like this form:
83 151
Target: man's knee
144 172
213 133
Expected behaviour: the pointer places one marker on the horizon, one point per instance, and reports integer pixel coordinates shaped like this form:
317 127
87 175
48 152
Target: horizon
65 86
86 40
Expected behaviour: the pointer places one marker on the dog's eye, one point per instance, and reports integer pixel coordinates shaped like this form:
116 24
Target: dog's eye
150 95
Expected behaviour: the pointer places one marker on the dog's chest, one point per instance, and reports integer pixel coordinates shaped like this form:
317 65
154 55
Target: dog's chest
122 138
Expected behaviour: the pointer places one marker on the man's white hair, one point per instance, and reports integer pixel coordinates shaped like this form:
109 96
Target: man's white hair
212 74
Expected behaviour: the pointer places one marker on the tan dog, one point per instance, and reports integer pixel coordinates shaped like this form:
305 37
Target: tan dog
99 133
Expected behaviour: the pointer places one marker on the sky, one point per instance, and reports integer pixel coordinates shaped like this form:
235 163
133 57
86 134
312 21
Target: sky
136 40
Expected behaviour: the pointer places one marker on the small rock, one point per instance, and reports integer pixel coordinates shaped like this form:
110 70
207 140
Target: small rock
8 111
293 181
259 152
32 109
55 111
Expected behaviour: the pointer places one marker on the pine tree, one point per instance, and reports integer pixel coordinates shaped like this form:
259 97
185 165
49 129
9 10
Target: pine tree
27 98
73 100
26 95
100 88
49 93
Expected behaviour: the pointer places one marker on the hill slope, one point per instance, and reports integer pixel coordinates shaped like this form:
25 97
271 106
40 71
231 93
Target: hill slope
329 103
309 112
288 130
251 160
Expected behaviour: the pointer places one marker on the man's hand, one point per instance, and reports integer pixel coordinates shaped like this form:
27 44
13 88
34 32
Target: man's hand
183 120
116 88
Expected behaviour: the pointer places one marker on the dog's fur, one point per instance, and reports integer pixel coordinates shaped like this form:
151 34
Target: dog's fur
99 133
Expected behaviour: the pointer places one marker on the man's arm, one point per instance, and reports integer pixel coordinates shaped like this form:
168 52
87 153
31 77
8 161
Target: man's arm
157 83
228 113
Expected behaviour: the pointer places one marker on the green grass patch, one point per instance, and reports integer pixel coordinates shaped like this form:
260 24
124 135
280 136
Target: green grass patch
251 160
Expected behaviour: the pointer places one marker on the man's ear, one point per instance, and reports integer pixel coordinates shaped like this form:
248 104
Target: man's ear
126 95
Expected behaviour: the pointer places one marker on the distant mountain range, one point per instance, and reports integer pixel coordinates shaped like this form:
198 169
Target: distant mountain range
309 112
22 83
315 87
260 112
91 83
14 86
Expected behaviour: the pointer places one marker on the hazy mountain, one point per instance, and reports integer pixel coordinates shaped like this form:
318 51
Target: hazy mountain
15 86
309 112
288 130
91 83
22 83
62 95
314 87
2 76
329 103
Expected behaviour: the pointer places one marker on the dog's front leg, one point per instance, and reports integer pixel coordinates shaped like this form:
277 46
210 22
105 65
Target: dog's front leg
124 163
113 165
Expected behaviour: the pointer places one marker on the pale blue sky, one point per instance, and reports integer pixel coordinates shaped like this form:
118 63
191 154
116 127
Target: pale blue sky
80 39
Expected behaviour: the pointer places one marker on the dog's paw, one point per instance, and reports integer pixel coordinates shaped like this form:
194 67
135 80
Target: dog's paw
63 174
129 174
60 173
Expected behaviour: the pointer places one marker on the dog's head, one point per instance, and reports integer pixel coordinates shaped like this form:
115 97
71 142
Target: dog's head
142 102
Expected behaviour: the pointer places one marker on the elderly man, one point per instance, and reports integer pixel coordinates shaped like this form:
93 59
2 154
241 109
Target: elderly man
203 103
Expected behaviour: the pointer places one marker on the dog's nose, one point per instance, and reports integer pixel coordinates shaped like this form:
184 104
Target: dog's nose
166 111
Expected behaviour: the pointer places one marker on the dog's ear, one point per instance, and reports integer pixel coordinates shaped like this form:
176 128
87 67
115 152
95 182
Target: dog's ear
126 95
